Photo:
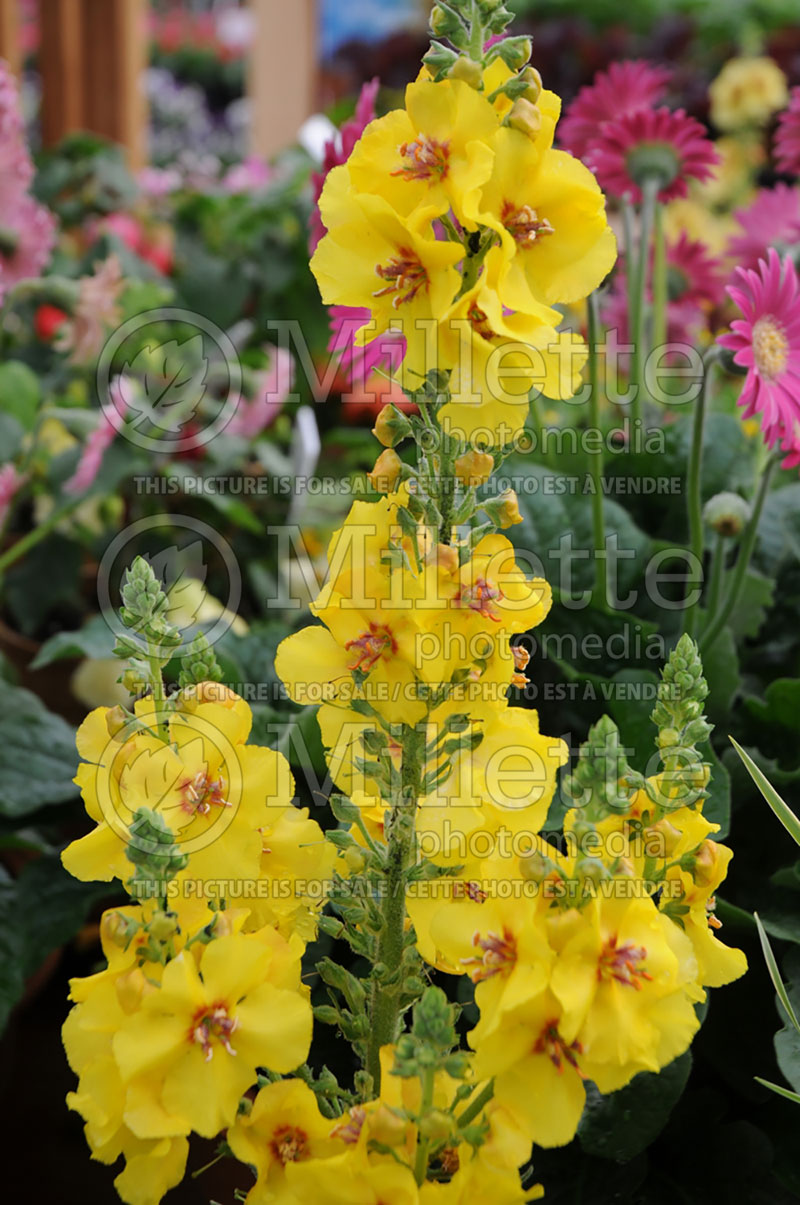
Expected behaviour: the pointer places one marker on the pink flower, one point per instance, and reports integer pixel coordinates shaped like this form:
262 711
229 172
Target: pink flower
251 175
766 341
773 217
274 385
98 442
662 142
787 137
623 88
338 151
96 311
693 273
159 182
10 481
358 363
686 321
27 235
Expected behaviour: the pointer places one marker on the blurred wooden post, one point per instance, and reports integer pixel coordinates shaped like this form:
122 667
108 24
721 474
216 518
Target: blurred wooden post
61 64
282 72
93 56
115 40
10 35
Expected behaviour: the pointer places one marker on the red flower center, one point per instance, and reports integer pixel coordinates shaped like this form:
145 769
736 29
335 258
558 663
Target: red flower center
623 963
371 646
424 159
290 1144
405 276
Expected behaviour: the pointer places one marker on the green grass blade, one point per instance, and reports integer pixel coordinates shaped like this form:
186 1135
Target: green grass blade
775 974
782 810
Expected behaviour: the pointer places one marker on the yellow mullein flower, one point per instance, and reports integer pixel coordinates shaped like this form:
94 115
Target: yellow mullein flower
393 266
283 1126
550 215
496 359
433 154
352 1178
476 1181
205 1031
693 909
625 977
747 92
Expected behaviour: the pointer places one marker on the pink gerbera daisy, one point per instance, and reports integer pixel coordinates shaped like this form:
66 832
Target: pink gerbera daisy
27 235
669 145
766 341
787 137
693 273
623 88
772 218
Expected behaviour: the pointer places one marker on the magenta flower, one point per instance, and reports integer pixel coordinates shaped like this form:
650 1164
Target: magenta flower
772 218
787 137
766 341
624 88
358 363
693 273
274 385
10 481
98 442
339 149
661 142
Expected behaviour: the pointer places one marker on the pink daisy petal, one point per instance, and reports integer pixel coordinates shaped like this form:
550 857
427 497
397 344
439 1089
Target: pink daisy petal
623 88
670 141
787 137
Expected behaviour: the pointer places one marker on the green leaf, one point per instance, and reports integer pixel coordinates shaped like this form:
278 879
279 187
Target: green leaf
781 809
37 754
777 1088
621 1125
780 705
19 393
775 975
94 640
634 692
787 1052
39 911
717 804
754 601
721 670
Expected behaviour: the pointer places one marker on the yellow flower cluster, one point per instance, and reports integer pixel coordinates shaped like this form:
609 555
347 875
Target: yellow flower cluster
202 984
458 226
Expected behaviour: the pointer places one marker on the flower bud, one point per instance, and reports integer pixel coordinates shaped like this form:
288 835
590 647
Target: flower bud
474 468
727 514
437 1125
386 1127
668 738
504 509
391 426
467 70
525 117
386 473
445 556
130 989
116 720
164 925
536 867
354 860
534 81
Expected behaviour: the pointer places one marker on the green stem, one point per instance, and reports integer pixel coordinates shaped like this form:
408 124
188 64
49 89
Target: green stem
423 1144
34 537
596 455
742 561
695 498
715 585
474 1107
637 319
385 994
659 280
476 34
159 699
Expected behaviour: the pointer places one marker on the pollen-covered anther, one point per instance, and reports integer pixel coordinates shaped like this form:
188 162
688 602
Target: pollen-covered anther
479 321
424 159
713 921
371 646
625 963
289 1144
200 794
480 596
524 224
551 1043
770 347
498 956
214 1024
405 276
